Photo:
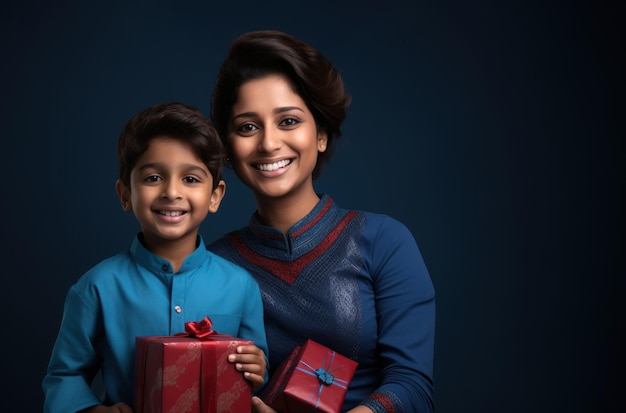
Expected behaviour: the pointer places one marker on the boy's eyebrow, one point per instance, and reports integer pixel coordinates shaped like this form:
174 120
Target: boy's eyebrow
186 167
275 111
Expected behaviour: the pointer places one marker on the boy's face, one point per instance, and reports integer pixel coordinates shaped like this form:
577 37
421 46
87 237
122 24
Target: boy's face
170 192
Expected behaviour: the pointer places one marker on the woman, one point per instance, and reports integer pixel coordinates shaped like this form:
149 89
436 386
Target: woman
353 281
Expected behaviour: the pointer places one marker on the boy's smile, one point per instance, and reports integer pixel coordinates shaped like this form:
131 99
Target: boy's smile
171 194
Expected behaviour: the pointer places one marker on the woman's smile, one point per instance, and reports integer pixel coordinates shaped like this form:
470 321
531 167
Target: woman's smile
269 167
274 140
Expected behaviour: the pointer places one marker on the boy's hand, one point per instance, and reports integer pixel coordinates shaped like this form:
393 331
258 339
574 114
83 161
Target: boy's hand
251 361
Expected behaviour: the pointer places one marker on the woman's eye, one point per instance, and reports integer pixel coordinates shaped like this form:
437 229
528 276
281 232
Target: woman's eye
289 122
246 128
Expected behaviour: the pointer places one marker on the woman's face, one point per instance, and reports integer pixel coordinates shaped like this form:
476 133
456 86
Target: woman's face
273 139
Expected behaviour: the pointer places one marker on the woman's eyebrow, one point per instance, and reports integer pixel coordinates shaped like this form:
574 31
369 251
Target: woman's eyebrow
275 111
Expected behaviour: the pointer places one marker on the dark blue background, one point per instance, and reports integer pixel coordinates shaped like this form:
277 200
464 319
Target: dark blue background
492 129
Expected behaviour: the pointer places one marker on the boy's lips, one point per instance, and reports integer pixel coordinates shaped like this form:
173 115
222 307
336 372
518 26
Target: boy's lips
171 213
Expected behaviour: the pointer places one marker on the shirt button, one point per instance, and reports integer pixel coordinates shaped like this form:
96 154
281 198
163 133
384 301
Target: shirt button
165 267
178 309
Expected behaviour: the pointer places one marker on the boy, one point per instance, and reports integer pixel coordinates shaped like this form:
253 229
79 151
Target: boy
170 166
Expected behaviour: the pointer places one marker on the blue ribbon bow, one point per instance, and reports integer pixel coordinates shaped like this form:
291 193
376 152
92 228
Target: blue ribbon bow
324 376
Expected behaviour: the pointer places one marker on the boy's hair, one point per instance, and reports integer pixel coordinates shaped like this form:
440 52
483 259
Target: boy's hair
173 120
315 79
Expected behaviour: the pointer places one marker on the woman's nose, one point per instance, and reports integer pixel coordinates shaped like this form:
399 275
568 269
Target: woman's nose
270 141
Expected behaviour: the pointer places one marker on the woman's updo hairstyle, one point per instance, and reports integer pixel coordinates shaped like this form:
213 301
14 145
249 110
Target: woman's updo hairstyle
315 79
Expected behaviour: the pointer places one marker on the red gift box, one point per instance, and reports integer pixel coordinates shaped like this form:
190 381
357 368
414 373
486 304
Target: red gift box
189 373
313 378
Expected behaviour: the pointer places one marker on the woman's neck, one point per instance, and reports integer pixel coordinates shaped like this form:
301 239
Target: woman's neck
283 213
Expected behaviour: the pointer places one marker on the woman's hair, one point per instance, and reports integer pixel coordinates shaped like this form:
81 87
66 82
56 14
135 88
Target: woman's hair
172 120
315 79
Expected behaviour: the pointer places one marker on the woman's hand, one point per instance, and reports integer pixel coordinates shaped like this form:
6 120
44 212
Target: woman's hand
116 408
259 407
251 361
360 409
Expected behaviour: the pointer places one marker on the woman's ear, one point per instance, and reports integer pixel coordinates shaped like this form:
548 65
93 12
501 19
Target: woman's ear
123 194
322 141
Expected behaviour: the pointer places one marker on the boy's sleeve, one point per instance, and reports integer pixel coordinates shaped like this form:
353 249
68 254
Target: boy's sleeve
252 324
73 363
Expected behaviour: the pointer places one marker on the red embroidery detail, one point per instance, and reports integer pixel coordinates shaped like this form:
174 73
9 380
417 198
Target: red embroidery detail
288 271
266 234
315 220
384 401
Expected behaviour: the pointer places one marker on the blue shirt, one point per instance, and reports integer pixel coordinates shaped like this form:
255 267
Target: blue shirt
353 281
135 293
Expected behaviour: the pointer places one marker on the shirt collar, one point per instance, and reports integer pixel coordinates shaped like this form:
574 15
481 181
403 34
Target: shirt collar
162 266
304 234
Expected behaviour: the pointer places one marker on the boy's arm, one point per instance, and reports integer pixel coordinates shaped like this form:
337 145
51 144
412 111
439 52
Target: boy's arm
73 362
253 360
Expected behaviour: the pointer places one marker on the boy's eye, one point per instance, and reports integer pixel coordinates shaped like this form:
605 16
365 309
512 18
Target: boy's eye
153 178
191 179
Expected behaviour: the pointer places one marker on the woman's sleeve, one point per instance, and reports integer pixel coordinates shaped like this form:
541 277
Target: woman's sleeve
405 311
73 362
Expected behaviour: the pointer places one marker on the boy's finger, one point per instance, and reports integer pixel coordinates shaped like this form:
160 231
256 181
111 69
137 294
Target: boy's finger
245 358
248 349
251 367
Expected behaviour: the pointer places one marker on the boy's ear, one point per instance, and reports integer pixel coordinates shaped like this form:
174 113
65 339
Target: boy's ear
216 196
124 195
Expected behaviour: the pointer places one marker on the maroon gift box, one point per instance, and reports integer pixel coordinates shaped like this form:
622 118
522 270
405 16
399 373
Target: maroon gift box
313 378
183 374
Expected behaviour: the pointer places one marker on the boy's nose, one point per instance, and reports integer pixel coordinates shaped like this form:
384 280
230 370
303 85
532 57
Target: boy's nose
171 190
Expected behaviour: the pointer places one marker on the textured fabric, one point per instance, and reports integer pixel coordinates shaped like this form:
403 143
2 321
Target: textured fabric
136 294
352 281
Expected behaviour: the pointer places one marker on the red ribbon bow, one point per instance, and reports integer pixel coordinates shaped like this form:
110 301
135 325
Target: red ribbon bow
200 329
